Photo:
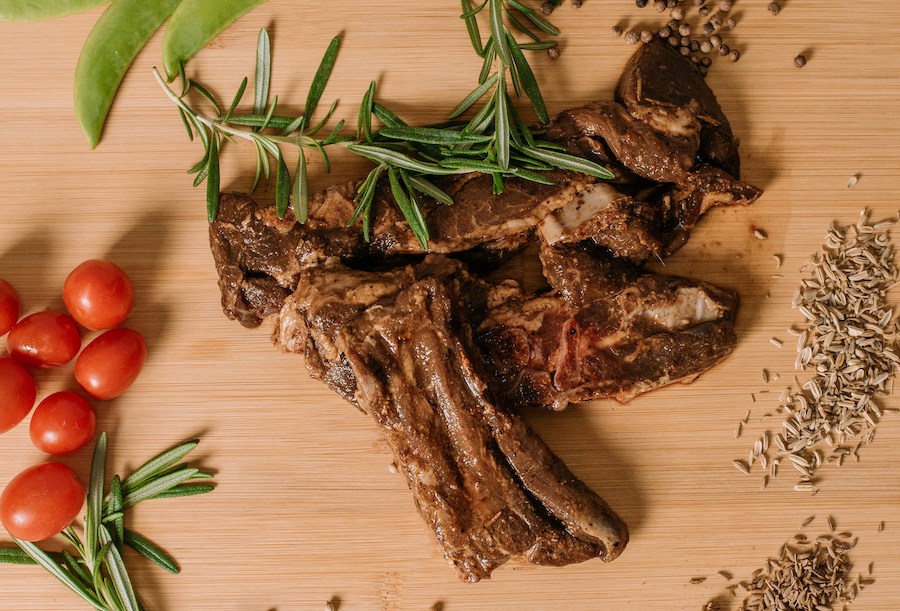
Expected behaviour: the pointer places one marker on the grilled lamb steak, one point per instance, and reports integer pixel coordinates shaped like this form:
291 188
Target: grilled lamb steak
486 484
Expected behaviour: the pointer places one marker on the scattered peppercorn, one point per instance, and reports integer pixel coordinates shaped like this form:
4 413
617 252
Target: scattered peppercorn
577 3
547 8
678 13
646 36
673 40
715 40
640 3
659 5
703 11
724 49
632 37
708 28
671 3
684 51
774 8
665 32
706 61
705 46
553 52
684 29
685 41
734 55
695 46
617 30
800 61
730 23
724 5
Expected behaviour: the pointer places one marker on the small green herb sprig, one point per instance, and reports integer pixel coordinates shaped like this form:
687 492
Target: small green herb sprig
496 140
266 130
96 571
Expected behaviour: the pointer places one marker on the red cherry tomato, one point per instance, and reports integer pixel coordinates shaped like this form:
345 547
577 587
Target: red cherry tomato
111 363
17 393
9 307
98 294
44 339
41 501
62 423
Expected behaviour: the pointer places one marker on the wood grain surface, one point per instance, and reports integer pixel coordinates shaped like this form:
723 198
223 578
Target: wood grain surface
306 509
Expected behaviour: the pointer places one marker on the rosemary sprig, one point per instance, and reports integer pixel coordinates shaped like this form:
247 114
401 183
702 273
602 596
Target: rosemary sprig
296 131
97 571
496 140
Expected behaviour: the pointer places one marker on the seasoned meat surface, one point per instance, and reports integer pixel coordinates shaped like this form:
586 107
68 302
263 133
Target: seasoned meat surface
663 89
486 484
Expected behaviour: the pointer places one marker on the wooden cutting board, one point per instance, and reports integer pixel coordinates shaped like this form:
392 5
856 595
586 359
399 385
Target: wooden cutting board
306 509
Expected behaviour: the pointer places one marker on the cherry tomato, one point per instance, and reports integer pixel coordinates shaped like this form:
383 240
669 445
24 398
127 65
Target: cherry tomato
9 307
98 294
44 339
111 363
41 501
62 423
17 393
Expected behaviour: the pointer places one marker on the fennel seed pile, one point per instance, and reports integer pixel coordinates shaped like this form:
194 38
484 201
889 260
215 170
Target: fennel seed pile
849 344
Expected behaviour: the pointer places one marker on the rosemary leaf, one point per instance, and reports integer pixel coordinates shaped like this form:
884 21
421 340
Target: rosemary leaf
498 31
297 124
258 120
323 73
15 555
262 162
533 176
539 21
538 46
409 208
490 54
462 165
569 162
150 489
75 568
321 124
237 98
468 15
149 550
269 114
430 135
387 117
187 124
185 490
94 512
473 97
364 123
212 180
300 191
365 195
426 187
206 94
158 464
115 493
263 71
282 187
529 84
394 158
43 558
119 574
502 122
521 27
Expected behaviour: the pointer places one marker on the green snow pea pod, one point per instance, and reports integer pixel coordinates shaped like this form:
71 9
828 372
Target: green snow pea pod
194 24
118 36
36 10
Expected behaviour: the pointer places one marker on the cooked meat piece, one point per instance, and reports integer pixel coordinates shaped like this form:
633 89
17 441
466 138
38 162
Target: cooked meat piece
637 229
667 91
629 228
582 273
259 256
705 188
486 484
612 342
637 145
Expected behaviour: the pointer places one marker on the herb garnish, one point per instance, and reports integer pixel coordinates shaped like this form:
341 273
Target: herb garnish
496 140
98 573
